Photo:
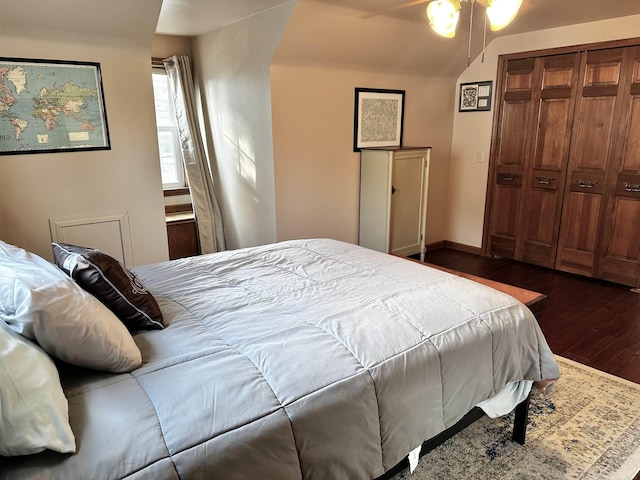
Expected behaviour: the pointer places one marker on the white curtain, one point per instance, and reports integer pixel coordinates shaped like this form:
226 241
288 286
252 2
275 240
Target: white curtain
203 196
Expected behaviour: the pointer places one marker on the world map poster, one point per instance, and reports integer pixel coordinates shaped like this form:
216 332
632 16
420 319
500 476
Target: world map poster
51 106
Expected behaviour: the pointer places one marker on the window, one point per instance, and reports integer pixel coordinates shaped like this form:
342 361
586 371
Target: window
171 164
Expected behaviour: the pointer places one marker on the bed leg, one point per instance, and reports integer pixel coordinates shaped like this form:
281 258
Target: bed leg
520 422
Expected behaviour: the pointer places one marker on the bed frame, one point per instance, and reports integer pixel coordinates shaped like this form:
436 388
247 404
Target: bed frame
531 299
519 433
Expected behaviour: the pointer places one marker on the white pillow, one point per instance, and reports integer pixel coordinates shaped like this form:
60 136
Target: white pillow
34 413
43 304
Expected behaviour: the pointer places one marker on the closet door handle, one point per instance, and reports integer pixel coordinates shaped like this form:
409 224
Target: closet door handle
508 177
545 180
587 184
632 187
393 189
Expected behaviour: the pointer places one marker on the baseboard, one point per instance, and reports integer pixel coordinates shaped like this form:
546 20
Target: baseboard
436 245
461 247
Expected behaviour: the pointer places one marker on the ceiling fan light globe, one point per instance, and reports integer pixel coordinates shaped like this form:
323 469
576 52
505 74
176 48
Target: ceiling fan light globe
502 12
443 16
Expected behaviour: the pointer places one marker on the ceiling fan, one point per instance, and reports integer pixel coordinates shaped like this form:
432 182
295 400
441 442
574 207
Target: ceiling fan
443 16
444 13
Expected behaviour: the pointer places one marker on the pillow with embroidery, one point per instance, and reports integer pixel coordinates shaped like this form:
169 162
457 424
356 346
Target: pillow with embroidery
112 283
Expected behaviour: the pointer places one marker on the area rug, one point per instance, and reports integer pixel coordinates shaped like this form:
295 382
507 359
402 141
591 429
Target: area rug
586 427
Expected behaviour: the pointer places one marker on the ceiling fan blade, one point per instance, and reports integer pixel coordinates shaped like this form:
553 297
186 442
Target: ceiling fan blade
408 4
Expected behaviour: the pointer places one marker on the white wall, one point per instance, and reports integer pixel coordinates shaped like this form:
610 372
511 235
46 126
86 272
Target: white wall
283 140
472 130
316 171
232 67
37 187
165 46
325 53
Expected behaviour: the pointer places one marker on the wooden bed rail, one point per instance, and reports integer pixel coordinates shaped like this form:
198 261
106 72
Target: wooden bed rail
533 300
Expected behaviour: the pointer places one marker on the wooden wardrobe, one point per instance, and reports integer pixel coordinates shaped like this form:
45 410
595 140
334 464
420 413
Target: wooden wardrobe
564 174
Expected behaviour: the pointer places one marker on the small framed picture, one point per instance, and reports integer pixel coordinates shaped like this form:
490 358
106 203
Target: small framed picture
475 97
378 118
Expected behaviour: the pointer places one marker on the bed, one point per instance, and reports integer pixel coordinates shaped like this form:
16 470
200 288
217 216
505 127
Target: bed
313 359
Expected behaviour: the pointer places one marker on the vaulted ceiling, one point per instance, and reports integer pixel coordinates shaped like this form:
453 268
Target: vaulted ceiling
390 35
385 35
195 17
131 22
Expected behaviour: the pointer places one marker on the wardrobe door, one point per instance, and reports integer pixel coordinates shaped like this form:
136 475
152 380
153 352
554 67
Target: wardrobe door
544 187
407 199
512 143
598 108
620 260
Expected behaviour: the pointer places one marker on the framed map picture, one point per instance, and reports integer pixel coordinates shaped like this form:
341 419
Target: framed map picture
378 119
51 106
475 97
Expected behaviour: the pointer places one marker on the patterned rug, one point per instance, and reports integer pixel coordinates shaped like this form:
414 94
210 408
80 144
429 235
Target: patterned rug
587 427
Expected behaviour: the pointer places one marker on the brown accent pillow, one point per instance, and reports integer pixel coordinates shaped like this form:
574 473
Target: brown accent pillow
112 283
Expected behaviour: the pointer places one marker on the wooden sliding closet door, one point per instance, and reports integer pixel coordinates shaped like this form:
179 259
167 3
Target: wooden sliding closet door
512 146
598 110
544 183
532 148
564 174
620 261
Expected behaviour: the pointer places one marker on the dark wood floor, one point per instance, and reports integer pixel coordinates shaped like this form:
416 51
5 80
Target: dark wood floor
590 321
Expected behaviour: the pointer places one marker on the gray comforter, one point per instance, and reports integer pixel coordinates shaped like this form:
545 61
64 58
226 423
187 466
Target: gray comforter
310 359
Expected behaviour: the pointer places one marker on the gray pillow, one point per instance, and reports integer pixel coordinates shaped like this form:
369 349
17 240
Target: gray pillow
43 304
118 288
